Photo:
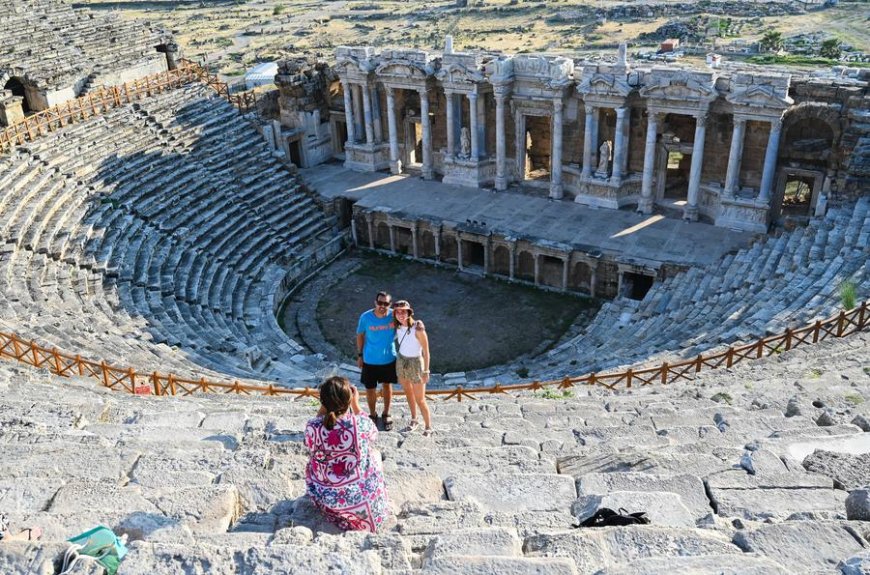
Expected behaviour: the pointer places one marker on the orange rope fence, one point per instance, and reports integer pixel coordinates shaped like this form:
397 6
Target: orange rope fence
105 98
129 380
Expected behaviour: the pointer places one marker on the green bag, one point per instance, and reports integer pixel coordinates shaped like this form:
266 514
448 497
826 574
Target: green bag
99 544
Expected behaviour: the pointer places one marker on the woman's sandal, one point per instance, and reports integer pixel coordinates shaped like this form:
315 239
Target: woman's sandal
412 425
428 432
388 422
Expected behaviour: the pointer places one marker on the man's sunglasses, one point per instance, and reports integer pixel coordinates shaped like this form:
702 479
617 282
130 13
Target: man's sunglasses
382 303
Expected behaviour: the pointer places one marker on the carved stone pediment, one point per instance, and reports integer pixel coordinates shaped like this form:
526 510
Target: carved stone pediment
760 96
404 69
680 89
459 74
598 84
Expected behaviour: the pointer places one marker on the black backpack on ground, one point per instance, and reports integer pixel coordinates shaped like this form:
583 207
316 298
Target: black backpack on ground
605 517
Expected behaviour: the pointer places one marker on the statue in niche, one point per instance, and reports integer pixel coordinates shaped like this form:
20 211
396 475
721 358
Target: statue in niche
464 144
603 159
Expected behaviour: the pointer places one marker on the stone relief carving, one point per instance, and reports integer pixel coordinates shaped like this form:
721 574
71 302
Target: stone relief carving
760 96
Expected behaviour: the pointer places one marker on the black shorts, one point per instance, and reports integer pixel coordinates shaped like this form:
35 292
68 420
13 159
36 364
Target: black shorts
372 374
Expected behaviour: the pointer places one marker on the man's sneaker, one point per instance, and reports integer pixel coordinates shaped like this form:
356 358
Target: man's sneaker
412 425
388 422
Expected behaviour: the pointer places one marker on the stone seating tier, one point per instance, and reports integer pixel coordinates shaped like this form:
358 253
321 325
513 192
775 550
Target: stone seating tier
216 483
66 45
781 282
181 240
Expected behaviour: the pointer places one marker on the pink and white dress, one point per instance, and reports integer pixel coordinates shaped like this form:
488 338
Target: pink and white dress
344 477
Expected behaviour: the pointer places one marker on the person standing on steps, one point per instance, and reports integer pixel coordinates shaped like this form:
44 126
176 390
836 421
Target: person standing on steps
376 355
412 364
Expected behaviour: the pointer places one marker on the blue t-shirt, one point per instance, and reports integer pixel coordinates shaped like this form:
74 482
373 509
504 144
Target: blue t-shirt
379 348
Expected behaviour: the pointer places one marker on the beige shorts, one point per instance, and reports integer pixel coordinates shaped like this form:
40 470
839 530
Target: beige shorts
410 369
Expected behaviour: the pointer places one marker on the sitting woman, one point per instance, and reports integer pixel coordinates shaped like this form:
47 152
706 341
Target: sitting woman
344 477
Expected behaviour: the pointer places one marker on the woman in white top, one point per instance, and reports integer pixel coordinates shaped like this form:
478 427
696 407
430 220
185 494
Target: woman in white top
412 363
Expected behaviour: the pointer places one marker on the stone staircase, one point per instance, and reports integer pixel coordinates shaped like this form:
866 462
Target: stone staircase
215 484
157 236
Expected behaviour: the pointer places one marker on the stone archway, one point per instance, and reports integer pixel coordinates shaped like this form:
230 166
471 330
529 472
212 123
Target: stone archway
501 261
16 86
382 236
526 266
581 277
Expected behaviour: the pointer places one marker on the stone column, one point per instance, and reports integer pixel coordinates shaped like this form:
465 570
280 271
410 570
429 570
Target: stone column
414 251
376 115
587 141
537 269
556 153
353 232
619 146
565 273
472 126
770 160
645 204
371 227
592 280
395 162
451 125
348 112
392 238
359 127
487 248
367 114
735 155
690 212
500 144
459 251
520 137
428 172
437 234
512 251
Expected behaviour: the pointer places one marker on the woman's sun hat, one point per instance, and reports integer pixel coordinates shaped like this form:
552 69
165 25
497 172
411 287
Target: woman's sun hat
403 304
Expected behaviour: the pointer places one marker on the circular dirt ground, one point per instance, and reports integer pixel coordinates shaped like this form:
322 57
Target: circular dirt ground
473 322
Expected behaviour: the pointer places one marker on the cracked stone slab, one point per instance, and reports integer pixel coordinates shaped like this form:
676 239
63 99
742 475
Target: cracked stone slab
433 518
484 565
745 564
167 559
778 504
405 485
847 471
204 509
444 463
689 488
593 549
802 546
513 493
621 437
662 508
88 496
739 479
489 541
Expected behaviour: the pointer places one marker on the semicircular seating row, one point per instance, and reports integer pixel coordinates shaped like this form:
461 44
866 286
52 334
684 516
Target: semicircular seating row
153 237
779 282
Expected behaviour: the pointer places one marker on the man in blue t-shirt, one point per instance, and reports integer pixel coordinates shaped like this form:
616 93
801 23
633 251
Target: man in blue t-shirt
376 355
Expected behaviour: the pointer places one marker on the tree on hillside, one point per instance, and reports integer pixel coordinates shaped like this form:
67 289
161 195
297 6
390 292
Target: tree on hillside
830 49
771 41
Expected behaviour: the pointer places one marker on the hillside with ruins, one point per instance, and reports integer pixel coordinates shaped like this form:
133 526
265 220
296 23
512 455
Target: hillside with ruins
641 251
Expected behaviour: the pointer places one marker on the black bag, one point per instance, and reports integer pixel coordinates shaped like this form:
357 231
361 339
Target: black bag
605 517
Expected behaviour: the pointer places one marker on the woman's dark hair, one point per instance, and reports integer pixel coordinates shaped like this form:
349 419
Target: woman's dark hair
335 397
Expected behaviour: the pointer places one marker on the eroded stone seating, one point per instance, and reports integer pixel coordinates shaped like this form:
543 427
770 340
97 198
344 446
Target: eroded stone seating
216 483
156 236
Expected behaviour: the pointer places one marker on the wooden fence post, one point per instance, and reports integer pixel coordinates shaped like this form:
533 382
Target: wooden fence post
817 328
665 369
841 320
788 336
729 357
105 369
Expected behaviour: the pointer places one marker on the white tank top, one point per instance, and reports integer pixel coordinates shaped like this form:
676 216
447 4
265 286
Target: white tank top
409 345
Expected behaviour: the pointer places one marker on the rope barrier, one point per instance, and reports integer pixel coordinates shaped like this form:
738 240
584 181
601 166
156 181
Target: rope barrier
128 379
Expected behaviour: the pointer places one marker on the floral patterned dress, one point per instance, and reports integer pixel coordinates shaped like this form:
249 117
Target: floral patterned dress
344 477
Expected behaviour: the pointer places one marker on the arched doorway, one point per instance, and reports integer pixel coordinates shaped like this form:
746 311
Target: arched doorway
16 86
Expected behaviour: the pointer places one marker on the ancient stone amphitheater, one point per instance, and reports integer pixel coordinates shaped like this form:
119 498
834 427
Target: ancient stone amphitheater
158 232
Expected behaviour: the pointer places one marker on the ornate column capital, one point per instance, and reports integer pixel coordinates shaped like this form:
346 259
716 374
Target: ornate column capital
701 120
558 104
620 112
